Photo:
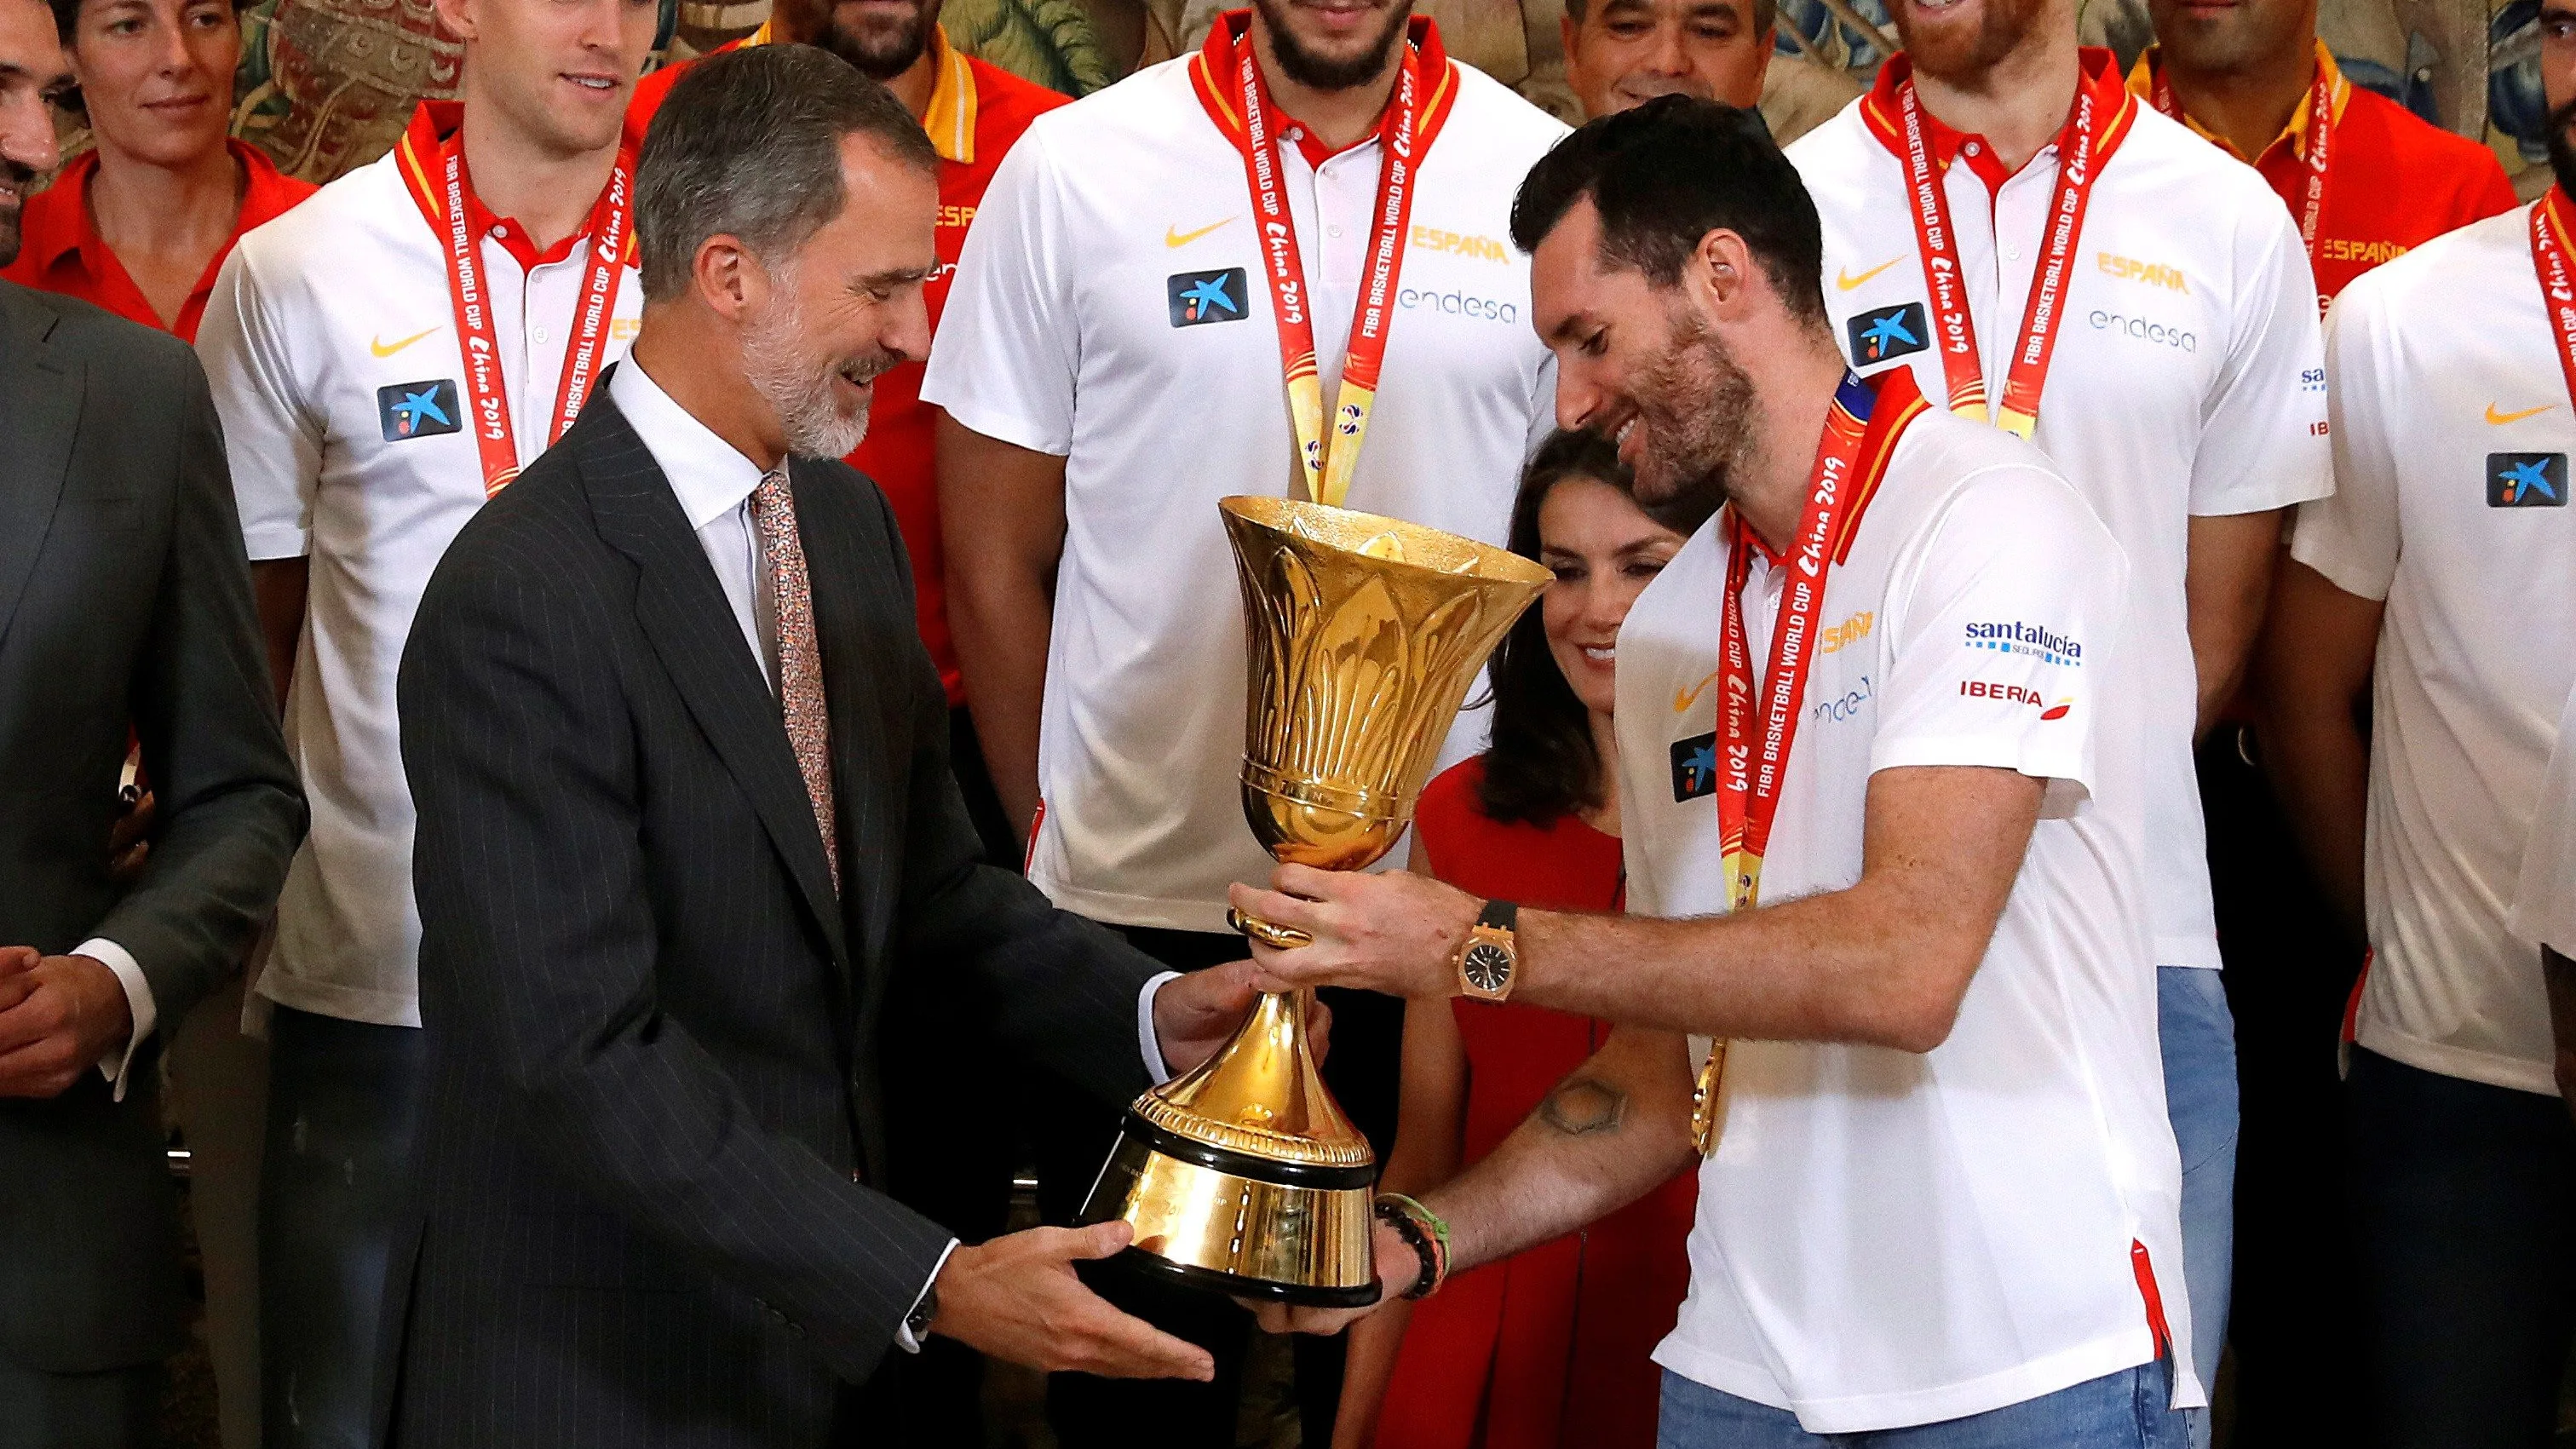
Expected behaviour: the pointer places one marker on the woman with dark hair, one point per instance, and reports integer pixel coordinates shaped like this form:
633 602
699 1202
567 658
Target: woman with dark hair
140 223
1549 1348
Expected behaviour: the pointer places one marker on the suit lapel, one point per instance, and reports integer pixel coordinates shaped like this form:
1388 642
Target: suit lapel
40 408
859 733
684 613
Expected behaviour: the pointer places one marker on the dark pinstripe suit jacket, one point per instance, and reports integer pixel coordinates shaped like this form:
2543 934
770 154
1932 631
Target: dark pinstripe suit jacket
653 1105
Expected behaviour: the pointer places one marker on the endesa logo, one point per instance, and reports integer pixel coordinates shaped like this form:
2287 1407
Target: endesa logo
2015 694
1458 304
2145 330
2036 641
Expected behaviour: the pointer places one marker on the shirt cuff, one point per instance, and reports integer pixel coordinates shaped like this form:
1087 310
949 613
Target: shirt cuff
138 1000
1146 1040
903 1334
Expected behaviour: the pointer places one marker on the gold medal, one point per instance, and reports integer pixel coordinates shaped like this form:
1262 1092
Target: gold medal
1704 1100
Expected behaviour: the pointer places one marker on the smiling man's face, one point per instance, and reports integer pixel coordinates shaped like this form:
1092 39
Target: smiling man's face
562 70
32 71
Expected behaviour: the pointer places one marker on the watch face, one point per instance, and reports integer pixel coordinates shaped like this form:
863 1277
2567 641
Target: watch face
1487 967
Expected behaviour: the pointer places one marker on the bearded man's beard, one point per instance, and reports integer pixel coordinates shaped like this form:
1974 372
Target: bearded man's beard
798 386
880 55
2562 151
1959 52
1695 409
1327 72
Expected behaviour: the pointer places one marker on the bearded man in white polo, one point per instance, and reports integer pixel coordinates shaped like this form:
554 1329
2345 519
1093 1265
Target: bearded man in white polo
1938 1194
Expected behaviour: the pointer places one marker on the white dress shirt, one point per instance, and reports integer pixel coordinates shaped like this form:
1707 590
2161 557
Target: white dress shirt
714 483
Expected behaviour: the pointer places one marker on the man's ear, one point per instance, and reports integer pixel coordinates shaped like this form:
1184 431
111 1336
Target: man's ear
456 17
1719 274
726 276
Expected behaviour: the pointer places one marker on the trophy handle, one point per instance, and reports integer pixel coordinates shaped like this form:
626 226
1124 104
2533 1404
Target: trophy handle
1277 938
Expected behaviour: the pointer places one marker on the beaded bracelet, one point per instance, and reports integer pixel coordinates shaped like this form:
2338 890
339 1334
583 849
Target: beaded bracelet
1428 1235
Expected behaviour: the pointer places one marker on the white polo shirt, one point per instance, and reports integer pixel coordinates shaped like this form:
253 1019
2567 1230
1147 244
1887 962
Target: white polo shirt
2544 901
1066 333
1886 1238
330 342
2186 380
2451 481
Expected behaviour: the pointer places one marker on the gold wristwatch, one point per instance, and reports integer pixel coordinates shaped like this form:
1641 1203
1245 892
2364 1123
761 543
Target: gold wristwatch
1489 959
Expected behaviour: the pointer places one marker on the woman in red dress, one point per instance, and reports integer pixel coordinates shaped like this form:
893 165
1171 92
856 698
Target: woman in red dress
1549 1348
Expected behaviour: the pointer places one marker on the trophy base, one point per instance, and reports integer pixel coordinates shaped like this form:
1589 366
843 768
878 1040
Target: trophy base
1237 1224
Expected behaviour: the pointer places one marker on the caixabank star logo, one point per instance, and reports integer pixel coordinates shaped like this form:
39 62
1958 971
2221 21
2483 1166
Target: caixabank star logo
1199 298
1884 334
411 410
2526 480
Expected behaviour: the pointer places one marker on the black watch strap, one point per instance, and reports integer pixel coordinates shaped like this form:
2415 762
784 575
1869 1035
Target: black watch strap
1501 915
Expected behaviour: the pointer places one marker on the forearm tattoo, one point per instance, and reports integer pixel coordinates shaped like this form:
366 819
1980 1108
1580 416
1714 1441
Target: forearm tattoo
1582 1106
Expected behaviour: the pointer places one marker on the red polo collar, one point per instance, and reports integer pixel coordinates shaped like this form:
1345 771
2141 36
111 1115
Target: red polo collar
2101 75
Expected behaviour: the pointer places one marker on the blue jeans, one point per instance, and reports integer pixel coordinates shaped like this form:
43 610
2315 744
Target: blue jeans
2125 1410
2199 1040
343 1118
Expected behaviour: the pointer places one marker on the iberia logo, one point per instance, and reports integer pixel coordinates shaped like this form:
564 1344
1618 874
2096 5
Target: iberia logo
2016 694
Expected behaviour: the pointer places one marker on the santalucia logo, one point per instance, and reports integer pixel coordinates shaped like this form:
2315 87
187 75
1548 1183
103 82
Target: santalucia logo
2036 640
1459 304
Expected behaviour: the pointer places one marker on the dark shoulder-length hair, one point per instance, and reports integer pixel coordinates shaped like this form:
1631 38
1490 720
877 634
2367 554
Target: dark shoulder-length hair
1542 765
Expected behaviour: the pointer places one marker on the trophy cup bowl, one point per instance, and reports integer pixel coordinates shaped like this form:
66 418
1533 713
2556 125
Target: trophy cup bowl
1243 1176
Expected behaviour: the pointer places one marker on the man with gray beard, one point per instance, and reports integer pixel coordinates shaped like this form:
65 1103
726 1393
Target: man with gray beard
686 823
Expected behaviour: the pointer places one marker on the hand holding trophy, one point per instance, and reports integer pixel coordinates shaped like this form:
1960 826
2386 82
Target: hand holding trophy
1244 1177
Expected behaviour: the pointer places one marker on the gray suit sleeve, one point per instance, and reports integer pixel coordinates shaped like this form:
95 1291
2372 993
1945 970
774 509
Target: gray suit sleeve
231 812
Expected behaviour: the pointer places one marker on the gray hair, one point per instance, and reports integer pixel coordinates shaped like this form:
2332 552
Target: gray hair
748 144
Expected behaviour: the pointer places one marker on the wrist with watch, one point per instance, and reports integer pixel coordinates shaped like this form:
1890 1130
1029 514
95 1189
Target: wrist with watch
1488 961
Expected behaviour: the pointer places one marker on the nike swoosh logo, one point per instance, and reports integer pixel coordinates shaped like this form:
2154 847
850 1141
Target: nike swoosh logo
2500 419
382 348
1845 281
1683 699
1175 237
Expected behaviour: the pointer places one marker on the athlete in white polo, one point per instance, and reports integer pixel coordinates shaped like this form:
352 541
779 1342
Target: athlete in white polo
1275 266
1879 731
386 357
2045 251
2433 584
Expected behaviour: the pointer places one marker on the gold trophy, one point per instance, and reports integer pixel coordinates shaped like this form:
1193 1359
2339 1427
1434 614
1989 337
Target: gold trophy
1243 1176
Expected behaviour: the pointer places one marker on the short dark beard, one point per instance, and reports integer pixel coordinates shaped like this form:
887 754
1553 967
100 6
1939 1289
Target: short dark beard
23 180
879 58
1323 72
1696 406
2562 151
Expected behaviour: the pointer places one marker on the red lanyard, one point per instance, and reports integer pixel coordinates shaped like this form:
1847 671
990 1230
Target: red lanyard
1750 768
2549 247
487 394
2078 151
1326 461
2320 140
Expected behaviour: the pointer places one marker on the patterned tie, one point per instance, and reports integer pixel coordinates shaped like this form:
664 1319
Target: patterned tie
800 661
